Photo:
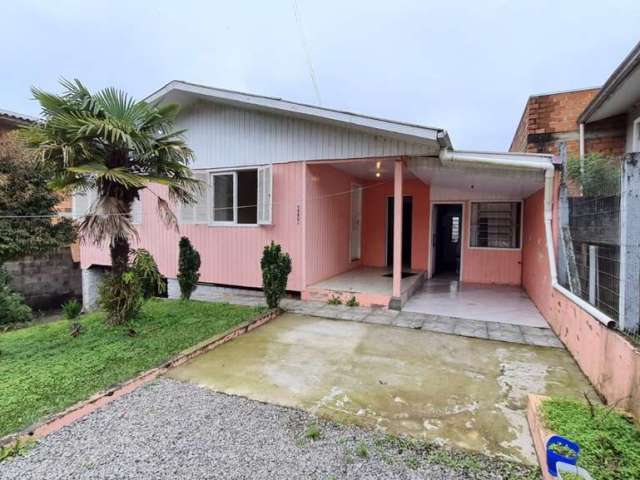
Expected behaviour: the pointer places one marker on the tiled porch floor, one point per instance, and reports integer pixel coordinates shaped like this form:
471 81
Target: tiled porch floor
494 303
365 280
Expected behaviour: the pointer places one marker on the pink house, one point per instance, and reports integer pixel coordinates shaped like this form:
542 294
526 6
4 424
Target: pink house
366 207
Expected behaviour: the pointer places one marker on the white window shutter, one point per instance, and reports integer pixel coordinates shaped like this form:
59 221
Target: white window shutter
80 205
265 204
202 208
197 212
82 202
136 211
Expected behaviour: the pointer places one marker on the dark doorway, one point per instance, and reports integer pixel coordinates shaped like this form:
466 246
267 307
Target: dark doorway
407 225
447 238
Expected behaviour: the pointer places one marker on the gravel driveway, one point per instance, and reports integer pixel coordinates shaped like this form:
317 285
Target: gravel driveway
173 430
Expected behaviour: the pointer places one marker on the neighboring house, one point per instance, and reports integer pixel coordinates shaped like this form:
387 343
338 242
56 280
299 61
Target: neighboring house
605 120
549 124
48 280
324 183
11 120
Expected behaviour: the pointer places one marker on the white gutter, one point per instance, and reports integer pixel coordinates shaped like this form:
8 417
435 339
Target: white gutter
449 156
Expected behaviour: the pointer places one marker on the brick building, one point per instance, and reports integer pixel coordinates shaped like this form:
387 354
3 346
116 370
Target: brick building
550 120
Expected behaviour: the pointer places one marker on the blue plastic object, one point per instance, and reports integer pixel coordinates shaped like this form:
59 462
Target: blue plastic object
553 457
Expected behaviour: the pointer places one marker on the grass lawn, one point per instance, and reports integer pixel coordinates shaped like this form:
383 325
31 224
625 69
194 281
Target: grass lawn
43 369
609 442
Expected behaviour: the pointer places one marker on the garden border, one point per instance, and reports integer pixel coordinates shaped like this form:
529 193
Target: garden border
539 433
83 408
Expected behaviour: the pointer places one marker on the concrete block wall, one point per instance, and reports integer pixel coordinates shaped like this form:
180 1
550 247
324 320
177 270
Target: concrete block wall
46 281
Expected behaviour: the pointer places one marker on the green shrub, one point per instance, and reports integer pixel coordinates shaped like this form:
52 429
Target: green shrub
352 302
188 266
146 269
12 306
334 300
597 175
71 309
276 267
120 297
313 432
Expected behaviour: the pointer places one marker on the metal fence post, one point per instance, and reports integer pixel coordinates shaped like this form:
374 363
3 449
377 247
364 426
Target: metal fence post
629 307
593 275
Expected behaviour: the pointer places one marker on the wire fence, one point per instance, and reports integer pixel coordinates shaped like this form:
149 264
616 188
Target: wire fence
591 247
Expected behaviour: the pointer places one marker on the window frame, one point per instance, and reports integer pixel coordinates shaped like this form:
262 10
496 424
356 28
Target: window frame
211 199
509 249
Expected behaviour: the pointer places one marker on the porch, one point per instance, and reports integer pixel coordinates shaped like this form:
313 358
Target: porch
448 297
371 286
465 221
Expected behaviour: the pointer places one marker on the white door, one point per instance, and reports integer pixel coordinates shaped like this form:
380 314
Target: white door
356 221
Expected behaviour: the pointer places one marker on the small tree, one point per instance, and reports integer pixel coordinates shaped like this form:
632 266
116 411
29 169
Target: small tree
188 267
146 269
276 267
29 204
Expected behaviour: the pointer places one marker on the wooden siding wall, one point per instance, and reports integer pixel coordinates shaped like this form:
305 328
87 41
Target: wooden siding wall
230 255
223 136
328 222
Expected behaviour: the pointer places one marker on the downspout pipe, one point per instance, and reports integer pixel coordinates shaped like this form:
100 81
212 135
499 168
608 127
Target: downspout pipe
449 156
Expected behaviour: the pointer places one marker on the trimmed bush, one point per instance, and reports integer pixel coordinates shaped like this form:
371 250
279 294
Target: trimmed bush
120 297
146 269
188 268
12 306
276 267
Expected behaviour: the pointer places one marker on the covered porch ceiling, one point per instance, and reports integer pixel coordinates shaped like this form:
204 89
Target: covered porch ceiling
465 180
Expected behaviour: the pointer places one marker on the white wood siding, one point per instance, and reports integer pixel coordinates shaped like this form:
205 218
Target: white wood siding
223 136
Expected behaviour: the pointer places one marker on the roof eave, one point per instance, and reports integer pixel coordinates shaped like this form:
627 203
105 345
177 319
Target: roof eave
628 65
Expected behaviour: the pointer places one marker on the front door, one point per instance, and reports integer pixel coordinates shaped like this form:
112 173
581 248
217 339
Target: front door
407 226
356 222
447 236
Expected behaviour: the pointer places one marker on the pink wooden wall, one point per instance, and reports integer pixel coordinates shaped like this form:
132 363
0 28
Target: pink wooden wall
374 224
608 359
230 255
488 265
328 222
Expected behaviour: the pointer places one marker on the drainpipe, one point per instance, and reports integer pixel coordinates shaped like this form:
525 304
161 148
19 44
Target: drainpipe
449 156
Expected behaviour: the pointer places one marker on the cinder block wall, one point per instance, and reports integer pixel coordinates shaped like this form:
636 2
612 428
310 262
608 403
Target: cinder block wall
46 281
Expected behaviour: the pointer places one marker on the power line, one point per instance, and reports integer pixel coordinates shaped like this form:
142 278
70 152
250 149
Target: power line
305 47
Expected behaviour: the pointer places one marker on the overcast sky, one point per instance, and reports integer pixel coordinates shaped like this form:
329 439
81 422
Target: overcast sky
466 66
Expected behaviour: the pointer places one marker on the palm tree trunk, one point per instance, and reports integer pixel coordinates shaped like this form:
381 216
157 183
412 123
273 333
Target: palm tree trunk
119 256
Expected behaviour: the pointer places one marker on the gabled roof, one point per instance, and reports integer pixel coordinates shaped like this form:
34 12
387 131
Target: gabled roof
184 93
619 93
17 117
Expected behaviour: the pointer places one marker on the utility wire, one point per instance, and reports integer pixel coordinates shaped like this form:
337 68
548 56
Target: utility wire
214 209
305 47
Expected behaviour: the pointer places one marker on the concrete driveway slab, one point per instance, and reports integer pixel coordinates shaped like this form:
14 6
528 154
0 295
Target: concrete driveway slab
467 392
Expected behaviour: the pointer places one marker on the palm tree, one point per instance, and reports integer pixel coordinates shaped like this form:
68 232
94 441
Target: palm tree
117 146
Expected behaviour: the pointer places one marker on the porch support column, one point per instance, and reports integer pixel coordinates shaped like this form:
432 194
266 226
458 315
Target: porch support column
396 301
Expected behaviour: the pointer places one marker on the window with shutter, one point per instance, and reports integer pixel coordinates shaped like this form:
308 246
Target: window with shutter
495 224
197 212
265 204
136 211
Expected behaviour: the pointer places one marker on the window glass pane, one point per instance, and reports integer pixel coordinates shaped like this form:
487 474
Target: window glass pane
495 225
455 229
248 196
223 198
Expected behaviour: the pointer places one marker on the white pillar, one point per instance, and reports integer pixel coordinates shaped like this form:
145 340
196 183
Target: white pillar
629 306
